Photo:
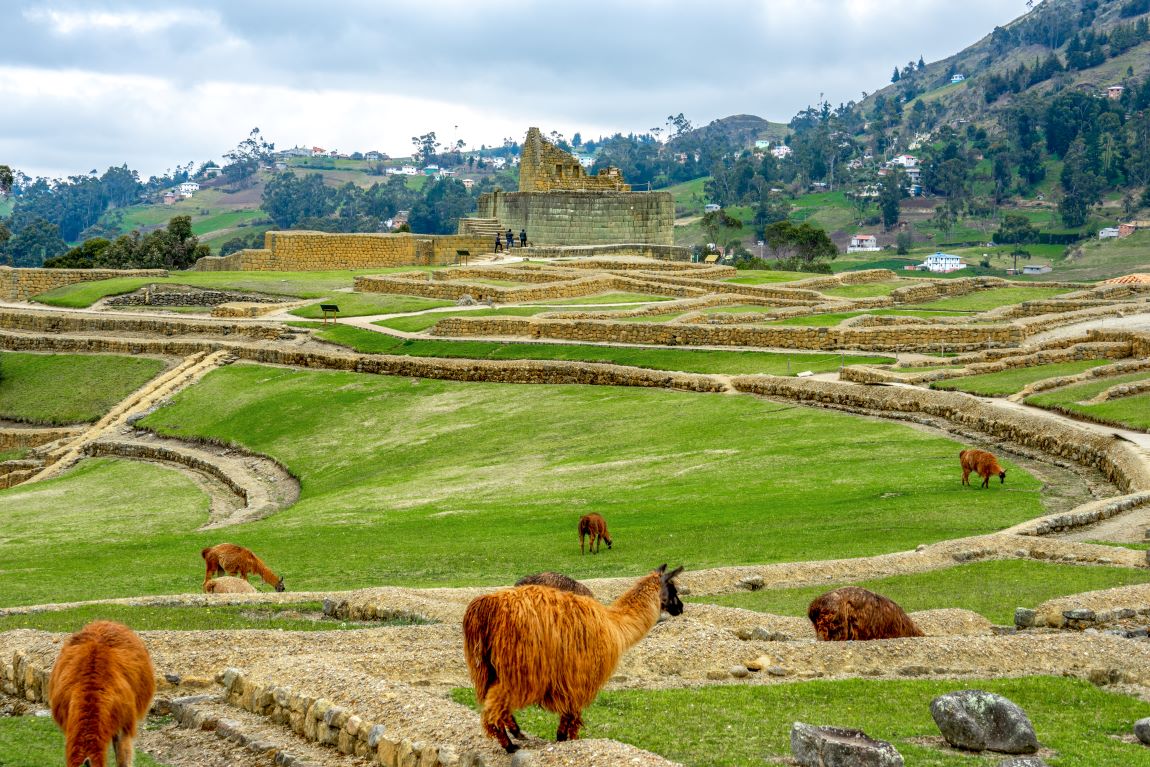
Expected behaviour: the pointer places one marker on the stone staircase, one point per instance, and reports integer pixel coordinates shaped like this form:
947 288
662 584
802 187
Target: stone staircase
481 227
67 452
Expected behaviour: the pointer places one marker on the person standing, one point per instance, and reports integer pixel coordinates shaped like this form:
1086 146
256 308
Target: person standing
523 237
498 242
510 238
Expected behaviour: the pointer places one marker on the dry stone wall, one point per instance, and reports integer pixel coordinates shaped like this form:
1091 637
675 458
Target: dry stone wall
56 322
22 284
585 218
418 284
16 439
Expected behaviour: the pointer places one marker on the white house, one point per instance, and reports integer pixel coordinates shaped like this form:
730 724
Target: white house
1036 268
187 189
763 144
498 162
1114 92
863 243
1109 233
408 170
957 78
374 155
904 160
781 152
942 262
711 208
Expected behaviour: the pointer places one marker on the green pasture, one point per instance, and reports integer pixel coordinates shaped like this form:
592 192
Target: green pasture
682 360
364 304
768 277
1012 380
984 300
866 289
268 617
830 319
425 482
744 724
1103 259
1132 412
603 298
36 741
992 589
298 284
419 322
739 309
68 388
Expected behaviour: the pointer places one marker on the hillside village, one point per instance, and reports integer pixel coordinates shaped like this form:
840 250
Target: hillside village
308 444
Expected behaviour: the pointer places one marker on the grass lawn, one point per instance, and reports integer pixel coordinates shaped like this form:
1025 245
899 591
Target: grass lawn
992 588
298 284
36 741
362 304
834 318
767 277
68 388
683 360
603 298
1102 259
865 289
741 309
1010 381
1132 412
419 322
984 300
283 617
739 725
652 317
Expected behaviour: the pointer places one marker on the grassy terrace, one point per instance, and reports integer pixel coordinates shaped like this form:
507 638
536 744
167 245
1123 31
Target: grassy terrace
443 475
734 726
1010 381
68 388
984 300
834 318
419 322
865 289
363 304
36 741
602 298
763 277
1132 412
683 360
992 588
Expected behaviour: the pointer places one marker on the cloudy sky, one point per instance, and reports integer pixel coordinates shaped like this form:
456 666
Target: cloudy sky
90 84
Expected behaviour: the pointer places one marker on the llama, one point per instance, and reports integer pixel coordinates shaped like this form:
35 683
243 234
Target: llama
101 685
595 526
983 464
855 613
555 581
230 559
226 584
539 645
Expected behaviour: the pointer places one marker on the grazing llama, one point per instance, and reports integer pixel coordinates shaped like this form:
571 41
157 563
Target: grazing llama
595 526
855 613
230 559
538 645
226 584
983 464
101 685
555 581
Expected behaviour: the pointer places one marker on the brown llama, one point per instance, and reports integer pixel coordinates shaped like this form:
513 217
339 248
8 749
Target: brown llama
555 581
855 613
101 685
983 464
539 645
230 559
595 526
226 584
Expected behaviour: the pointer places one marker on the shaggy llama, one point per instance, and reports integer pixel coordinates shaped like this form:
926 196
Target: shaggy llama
595 526
983 464
101 685
230 559
855 613
226 584
555 581
538 645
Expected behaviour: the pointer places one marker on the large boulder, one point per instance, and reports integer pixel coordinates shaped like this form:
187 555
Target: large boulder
1142 730
1023 761
976 720
839 747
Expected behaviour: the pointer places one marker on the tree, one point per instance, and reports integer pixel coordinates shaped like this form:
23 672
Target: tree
7 178
445 202
1082 185
903 243
246 158
84 256
425 147
802 247
896 76
1016 228
717 222
892 189
1017 253
944 218
34 244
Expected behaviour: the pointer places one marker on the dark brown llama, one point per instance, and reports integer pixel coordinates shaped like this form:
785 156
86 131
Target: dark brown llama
855 613
594 526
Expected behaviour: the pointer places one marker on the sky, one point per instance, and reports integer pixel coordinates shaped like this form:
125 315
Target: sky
88 85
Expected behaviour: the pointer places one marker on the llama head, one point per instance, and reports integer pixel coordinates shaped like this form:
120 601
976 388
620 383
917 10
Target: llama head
669 601
608 540
1002 477
280 584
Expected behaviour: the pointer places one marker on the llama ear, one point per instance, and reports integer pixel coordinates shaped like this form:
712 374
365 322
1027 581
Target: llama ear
661 568
667 577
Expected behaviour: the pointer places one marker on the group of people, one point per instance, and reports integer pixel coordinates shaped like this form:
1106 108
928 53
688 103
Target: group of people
510 239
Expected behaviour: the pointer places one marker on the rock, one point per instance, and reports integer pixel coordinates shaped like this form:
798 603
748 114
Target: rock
739 672
465 300
976 720
1142 730
777 671
759 663
1024 617
751 583
839 747
716 674
374 736
1023 761
1078 615
523 758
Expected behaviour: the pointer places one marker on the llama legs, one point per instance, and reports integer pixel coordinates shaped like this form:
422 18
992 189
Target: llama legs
497 718
122 744
569 725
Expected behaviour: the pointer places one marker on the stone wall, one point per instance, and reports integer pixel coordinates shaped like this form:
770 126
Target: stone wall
585 218
151 297
22 284
634 250
544 167
15 439
57 322
418 284
302 251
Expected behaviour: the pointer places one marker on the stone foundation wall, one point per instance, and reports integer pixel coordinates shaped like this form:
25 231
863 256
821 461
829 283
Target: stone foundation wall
22 284
584 218
453 290
188 298
675 253
51 323
302 251
16 439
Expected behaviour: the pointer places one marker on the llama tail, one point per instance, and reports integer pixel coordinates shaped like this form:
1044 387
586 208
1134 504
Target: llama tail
204 553
477 649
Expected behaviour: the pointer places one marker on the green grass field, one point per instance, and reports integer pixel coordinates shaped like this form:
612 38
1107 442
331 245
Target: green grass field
424 482
834 318
68 388
603 298
984 300
420 322
865 289
739 725
1010 381
1132 412
682 360
992 588
36 741
768 277
363 304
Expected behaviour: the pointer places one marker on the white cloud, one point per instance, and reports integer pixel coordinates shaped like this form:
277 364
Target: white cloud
139 22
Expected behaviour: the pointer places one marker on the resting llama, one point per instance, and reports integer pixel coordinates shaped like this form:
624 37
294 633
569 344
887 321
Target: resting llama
101 685
555 581
230 559
983 464
595 526
538 645
855 613
226 584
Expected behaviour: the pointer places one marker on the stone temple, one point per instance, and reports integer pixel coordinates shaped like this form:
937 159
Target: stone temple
558 203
